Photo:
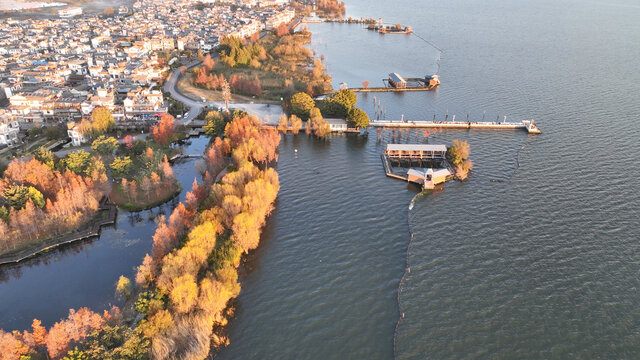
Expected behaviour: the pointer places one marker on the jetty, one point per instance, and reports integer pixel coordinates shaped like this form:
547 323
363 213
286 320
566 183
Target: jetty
527 125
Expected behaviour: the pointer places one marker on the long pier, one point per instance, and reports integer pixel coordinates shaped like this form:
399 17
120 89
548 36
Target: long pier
527 125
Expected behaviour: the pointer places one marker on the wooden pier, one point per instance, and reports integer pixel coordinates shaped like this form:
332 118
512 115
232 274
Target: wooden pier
527 125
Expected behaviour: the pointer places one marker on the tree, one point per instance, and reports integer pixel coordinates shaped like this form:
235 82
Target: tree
365 84
282 30
215 123
123 287
357 118
108 11
296 124
208 62
283 124
163 131
121 166
184 294
104 145
128 141
145 185
167 171
101 120
45 156
16 196
226 93
458 152
301 105
345 97
77 161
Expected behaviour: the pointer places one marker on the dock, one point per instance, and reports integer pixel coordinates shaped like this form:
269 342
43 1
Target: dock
527 125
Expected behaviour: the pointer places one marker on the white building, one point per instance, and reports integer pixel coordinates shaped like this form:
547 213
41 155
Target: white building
74 133
9 133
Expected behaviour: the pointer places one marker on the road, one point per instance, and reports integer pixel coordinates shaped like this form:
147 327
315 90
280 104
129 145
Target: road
195 107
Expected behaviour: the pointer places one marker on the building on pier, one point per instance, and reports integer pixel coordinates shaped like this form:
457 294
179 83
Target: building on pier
416 151
397 81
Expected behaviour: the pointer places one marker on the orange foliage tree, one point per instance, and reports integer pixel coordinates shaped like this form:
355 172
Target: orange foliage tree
164 130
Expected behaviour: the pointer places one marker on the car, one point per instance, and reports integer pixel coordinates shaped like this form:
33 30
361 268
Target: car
186 115
179 116
203 99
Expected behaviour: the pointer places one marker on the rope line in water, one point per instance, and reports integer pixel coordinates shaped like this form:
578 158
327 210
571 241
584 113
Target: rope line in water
407 270
513 173
435 47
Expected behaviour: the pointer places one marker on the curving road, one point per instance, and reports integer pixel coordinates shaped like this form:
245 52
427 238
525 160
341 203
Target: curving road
195 107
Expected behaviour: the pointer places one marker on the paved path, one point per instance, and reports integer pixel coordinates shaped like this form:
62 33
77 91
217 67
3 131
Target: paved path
195 107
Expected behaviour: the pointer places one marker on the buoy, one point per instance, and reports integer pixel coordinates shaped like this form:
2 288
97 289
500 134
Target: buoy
295 150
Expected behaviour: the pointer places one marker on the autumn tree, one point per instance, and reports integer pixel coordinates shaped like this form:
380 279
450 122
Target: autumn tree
283 124
295 123
101 120
208 62
123 287
164 130
365 84
226 93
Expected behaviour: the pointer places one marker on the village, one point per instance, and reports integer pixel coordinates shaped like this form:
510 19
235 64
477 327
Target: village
57 70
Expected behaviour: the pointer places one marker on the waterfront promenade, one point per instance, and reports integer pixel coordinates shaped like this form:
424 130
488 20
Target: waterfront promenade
527 125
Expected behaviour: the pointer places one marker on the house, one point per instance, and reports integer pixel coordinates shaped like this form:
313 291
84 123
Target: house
397 81
428 178
70 12
9 133
77 138
415 151
337 124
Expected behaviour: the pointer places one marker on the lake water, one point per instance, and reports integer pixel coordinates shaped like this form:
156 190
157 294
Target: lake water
85 273
543 263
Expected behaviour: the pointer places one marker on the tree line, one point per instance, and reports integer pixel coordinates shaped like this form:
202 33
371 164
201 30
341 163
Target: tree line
47 196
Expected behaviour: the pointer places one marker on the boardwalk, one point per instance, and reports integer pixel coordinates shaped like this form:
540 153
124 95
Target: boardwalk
526 125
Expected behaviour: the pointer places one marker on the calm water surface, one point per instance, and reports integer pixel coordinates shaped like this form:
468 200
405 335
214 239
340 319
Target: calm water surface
85 273
543 264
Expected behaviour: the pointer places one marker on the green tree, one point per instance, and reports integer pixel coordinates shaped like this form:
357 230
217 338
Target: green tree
4 214
77 161
357 118
45 156
121 166
104 145
16 196
215 123
346 97
76 354
101 120
301 105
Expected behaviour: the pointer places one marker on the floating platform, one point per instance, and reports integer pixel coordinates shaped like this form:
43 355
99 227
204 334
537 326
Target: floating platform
527 125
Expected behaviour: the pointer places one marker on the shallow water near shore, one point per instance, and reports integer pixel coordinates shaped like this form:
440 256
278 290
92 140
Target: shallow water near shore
534 256
84 273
